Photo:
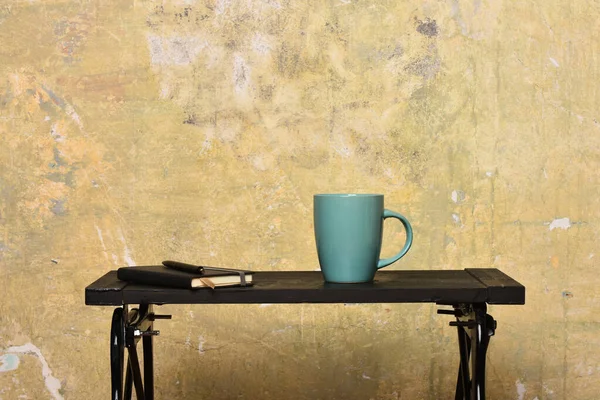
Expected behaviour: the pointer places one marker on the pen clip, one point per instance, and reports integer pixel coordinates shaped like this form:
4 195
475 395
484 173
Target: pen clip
194 269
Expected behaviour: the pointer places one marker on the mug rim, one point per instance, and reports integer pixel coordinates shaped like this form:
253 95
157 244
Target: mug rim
346 195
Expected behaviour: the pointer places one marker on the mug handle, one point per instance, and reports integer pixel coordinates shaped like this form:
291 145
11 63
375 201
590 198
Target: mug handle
409 237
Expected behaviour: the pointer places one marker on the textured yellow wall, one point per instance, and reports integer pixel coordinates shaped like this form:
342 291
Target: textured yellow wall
136 131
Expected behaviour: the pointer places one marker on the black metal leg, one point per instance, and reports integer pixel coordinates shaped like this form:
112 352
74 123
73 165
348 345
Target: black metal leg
134 364
477 375
148 366
475 327
126 330
486 328
463 383
128 383
117 350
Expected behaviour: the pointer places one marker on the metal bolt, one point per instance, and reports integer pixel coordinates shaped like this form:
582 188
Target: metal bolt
138 333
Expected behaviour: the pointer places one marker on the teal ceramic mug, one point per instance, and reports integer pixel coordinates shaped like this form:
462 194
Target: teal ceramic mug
348 233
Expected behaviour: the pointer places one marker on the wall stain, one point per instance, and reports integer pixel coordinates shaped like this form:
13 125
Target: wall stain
58 206
428 27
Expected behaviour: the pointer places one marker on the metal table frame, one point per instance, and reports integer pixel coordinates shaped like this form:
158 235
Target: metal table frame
468 292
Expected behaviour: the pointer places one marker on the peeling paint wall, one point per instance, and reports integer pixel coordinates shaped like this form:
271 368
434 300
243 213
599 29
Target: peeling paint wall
137 131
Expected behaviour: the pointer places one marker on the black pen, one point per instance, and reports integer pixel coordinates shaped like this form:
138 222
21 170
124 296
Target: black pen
194 269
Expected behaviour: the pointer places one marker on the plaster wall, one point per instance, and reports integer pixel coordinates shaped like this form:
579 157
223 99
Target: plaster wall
137 131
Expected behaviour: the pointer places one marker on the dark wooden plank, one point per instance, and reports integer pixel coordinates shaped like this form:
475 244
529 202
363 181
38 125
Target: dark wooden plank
106 290
447 287
502 289
442 286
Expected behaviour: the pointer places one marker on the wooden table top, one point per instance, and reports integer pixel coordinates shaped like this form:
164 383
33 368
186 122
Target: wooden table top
471 285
